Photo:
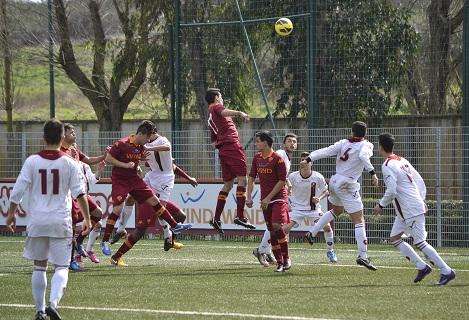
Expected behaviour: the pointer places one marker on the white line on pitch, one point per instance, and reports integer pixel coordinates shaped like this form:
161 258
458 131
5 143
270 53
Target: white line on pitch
177 312
294 263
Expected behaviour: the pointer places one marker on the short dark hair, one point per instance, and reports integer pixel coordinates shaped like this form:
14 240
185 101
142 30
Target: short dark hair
211 94
386 141
359 129
53 131
304 154
146 127
265 136
289 135
68 126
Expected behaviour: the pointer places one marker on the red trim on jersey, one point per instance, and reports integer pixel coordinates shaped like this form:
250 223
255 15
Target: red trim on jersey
392 157
398 206
355 139
51 154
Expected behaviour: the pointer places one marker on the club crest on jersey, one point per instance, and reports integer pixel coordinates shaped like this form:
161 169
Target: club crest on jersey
136 150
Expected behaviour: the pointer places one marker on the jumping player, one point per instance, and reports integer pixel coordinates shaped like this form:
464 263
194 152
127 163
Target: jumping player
232 157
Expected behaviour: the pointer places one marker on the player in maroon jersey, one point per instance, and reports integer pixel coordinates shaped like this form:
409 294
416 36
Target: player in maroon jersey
125 155
272 173
69 146
232 157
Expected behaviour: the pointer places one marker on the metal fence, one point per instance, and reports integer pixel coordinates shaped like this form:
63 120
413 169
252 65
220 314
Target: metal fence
437 153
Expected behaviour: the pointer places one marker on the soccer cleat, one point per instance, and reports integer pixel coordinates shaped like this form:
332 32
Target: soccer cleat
445 278
40 316
309 237
170 243
105 248
244 222
118 263
421 274
180 227
287 264
216 224
53 313
280 268
331 256
74 266
117 236
270 258
366 263
92 256
260 257
80 250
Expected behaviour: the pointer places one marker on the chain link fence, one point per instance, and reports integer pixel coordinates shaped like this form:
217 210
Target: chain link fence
437 153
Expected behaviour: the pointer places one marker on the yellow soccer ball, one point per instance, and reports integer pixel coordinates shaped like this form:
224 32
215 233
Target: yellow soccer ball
283 27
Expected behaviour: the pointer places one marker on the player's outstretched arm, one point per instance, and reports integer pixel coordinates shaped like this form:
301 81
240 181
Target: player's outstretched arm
165 147
113 161
181 173
327 152
234 113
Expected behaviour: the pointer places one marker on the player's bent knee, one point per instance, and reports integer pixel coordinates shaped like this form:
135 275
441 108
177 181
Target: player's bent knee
395 238
130 201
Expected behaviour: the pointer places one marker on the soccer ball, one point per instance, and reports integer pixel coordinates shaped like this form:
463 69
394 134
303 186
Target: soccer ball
283 27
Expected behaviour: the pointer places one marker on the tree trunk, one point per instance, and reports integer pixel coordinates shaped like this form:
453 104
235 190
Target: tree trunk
7 78
440 31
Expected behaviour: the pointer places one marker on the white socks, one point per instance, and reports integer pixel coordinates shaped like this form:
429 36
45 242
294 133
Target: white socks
167 233
93 235
362 242
124 217
58 283
265 246
329 237
39 285
322 222
407 251
433 256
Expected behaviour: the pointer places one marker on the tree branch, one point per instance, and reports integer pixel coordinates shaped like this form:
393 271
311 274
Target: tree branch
457 20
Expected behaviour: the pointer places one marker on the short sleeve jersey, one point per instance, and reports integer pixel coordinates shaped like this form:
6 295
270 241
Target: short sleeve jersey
270 170
125 150
304 189
223 129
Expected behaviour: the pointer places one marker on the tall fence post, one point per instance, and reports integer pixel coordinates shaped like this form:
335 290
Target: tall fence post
23 146
438 187
465 119
311 70
177 65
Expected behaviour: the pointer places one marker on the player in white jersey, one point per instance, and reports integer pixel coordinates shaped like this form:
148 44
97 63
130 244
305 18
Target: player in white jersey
308 189
406 189
352 157
49 179
263 253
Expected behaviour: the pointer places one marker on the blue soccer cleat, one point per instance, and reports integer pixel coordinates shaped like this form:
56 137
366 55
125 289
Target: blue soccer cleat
180 227
445 278
106 249
74 266
331 256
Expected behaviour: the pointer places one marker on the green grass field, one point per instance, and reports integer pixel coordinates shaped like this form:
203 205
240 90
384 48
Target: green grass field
218 279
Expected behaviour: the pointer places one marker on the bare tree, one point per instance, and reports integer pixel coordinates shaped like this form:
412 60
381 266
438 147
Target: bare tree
111 98
7 61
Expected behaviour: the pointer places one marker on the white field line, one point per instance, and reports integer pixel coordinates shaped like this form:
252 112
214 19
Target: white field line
176 312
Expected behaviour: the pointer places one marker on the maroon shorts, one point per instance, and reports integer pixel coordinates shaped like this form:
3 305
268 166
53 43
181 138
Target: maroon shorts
233 161
146 216
276 212
136 187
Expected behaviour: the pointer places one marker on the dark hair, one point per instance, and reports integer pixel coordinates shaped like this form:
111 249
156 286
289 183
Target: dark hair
304 154
146 127
386 141
68 126
265 135
289 135
53 131
359 129
211 94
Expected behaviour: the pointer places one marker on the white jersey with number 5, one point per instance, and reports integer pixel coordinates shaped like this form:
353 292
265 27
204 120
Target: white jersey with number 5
404 187
284 155
304 189
49 178
352 156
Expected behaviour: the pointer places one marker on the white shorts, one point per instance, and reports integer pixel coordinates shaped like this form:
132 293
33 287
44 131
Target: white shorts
57 251
161 185
299 216
413 227
344 192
